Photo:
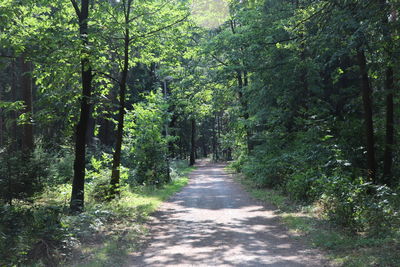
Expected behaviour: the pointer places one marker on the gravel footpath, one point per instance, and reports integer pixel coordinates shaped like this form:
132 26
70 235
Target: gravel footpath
214 222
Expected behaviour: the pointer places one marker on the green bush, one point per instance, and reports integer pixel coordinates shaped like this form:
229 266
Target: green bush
360 206
304 186
22 174
34 234
146 149
62 168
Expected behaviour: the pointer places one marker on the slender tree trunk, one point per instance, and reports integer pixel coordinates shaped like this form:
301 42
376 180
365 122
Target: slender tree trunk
244 82
368 114
14 116
115 172
1 121
389 87
78 184
192 159
389 140
215 141
26 89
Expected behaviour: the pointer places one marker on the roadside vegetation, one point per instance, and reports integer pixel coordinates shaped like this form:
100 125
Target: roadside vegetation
46 234
343 245
98 99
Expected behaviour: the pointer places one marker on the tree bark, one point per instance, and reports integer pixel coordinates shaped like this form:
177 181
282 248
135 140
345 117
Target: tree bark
78 184
389 138
243 81
115 172
1 121
90 128
368 114
192 159
14 116
26 89
389 87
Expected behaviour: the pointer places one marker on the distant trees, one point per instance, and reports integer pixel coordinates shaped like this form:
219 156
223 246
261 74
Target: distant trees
113 53
284 88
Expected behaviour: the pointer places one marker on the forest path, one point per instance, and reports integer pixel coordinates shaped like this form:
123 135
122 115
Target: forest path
214 222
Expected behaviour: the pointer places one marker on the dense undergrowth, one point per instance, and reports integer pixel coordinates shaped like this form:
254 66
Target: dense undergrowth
323 195
343 247
40 231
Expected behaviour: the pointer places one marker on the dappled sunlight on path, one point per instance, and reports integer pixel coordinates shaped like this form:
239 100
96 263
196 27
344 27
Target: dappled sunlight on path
213 222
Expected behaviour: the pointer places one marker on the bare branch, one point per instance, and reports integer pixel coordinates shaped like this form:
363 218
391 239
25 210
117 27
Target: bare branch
162 28
107 76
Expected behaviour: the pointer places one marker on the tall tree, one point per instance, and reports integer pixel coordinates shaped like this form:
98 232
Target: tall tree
389 87
26 88
192 158
78 184
366 92
115 172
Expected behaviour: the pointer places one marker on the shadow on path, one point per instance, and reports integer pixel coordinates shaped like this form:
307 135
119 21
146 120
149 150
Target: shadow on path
214 222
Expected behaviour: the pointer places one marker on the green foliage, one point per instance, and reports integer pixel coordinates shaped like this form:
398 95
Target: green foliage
146 146
46 234
361 206
22 174
33 234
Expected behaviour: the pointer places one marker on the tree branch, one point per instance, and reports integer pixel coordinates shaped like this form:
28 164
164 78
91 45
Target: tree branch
107 76
7 56
76 7
162 28
149 13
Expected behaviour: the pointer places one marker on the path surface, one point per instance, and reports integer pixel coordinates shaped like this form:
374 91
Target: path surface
214 222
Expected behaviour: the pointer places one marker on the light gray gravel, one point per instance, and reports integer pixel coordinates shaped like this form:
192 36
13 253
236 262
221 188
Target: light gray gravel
214 222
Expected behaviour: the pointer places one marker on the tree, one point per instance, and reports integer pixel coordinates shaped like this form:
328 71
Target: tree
26 86
78 184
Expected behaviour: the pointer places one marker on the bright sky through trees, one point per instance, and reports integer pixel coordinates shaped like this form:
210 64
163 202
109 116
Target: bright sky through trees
209 13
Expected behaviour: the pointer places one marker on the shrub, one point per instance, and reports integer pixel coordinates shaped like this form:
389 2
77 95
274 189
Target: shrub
147 147
31 235
22 175
360 206
304 186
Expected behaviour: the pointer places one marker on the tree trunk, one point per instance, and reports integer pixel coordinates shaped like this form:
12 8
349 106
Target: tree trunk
244 82
90 128
26 89
78 184
115 171
192 159
368 115
389 87
215 141
14 97
1 121
389 140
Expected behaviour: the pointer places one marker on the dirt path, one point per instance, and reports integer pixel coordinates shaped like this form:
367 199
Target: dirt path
214 222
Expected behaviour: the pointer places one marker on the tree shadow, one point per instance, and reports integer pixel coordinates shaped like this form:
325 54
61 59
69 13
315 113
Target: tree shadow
213 222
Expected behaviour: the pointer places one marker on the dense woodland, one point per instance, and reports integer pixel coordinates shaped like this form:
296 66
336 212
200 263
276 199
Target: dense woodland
100 97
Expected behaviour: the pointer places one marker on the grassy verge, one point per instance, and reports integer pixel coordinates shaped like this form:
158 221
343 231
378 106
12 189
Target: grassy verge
43 233
343 248
125 232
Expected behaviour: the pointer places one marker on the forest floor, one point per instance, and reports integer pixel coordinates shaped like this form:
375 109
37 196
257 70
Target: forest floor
214 222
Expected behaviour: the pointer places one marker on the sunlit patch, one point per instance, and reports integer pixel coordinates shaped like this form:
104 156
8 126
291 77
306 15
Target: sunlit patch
209 13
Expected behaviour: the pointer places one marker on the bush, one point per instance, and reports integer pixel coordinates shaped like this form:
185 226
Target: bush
304 186
147 147
360 206
31 235
22 175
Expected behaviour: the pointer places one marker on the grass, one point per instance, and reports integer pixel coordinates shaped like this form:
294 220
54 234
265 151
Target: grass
119 237
105 234
343 248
